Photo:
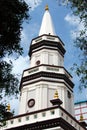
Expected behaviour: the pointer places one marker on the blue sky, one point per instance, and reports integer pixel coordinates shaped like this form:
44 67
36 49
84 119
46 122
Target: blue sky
66 25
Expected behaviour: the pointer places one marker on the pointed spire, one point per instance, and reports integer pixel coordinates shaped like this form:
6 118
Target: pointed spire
47 24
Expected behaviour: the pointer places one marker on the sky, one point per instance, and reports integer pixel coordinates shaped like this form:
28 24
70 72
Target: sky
66 26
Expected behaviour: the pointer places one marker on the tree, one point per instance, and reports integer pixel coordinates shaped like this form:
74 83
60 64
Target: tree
79 8
12 15
2 111
5 113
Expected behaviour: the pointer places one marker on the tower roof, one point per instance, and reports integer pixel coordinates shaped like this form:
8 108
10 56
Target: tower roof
47 24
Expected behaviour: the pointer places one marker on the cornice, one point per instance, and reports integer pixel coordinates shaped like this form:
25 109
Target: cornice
46 44
46 75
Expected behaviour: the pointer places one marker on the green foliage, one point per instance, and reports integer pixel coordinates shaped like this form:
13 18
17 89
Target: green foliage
8 81
12 15
81 72
79 8
2 111
4 114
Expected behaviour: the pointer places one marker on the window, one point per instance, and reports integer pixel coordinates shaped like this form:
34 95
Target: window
66 117
27 118
19 120
12 122
52 112
68 94
43 114
35 116
61 114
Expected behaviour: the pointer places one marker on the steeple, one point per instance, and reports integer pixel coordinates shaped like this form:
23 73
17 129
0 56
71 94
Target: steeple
47 24
46 73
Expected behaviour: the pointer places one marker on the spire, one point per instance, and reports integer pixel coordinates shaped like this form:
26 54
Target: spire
47 24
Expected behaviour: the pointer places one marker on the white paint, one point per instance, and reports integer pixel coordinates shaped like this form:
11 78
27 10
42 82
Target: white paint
47 25
48 115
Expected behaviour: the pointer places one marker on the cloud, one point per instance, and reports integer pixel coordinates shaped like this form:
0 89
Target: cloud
29 32
72 20
76 25
18 64
33 3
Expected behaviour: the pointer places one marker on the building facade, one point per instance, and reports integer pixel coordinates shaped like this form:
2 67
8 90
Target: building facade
81 109
46 99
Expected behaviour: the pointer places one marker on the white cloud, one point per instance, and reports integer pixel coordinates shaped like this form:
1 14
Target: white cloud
72 20
76 25
33 3
29 32
18 64
24 37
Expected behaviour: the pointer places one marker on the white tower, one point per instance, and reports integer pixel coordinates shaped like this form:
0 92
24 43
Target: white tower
46 73
46 100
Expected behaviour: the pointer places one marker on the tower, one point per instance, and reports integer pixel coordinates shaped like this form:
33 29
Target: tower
46 73
46 100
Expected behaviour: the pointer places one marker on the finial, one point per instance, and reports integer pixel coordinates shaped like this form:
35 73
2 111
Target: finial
56 100
56 95
81 117
46 7
8 107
